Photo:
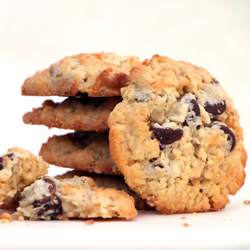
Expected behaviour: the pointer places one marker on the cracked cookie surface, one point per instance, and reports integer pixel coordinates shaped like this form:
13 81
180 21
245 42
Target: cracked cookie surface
77 197
176 137
94 74
85 114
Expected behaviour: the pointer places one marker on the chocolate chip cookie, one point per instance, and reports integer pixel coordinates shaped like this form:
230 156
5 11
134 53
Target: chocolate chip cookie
176 137
87 151
76 197
18 169
97 75
109 181
85 114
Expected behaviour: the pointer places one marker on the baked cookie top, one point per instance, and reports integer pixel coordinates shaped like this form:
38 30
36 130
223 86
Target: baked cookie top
18 169
86 151
77 197
85 114
96 74
176 137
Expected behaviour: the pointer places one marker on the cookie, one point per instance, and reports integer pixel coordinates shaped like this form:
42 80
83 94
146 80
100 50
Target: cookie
87 151
97 75
77 197
110 181
85 114
18 169
177 139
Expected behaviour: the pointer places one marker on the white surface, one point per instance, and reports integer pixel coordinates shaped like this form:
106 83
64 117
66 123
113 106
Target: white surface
211 34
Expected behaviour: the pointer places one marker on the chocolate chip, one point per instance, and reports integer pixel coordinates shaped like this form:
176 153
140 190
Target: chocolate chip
214 82
230 135
52 185
9 155
215 108
50 205
52 209
194 107
167 135
193 113
157 165
229 132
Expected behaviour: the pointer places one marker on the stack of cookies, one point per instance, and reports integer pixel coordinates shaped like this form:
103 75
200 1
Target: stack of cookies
167 127
91 84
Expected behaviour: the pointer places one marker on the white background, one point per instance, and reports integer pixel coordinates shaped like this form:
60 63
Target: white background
212 34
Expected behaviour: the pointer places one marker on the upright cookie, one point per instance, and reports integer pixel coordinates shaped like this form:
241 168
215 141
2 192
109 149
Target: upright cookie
85 114
97 75
86 151
176 138
18 169
77 197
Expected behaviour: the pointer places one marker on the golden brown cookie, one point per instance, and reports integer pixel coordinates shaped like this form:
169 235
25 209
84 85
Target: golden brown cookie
97 75
85 114
77 197
109 181
86 151
176 137
18 169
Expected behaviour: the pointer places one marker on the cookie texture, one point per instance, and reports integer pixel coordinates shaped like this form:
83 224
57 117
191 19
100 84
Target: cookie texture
96 74
18 169
85 114
76 197
176 137
87 151
109 181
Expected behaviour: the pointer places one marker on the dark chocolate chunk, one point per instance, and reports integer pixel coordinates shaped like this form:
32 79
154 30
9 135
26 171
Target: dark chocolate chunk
52 209
216 108
167 135
229 132
194 106
49 205
157 165
193 112
9 155
214 82
52 185
230 135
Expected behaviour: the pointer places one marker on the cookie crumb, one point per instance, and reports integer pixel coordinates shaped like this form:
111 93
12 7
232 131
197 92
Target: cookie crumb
63 218
183 218
194 213
89 222
247 202
186 225
20 217
5 218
